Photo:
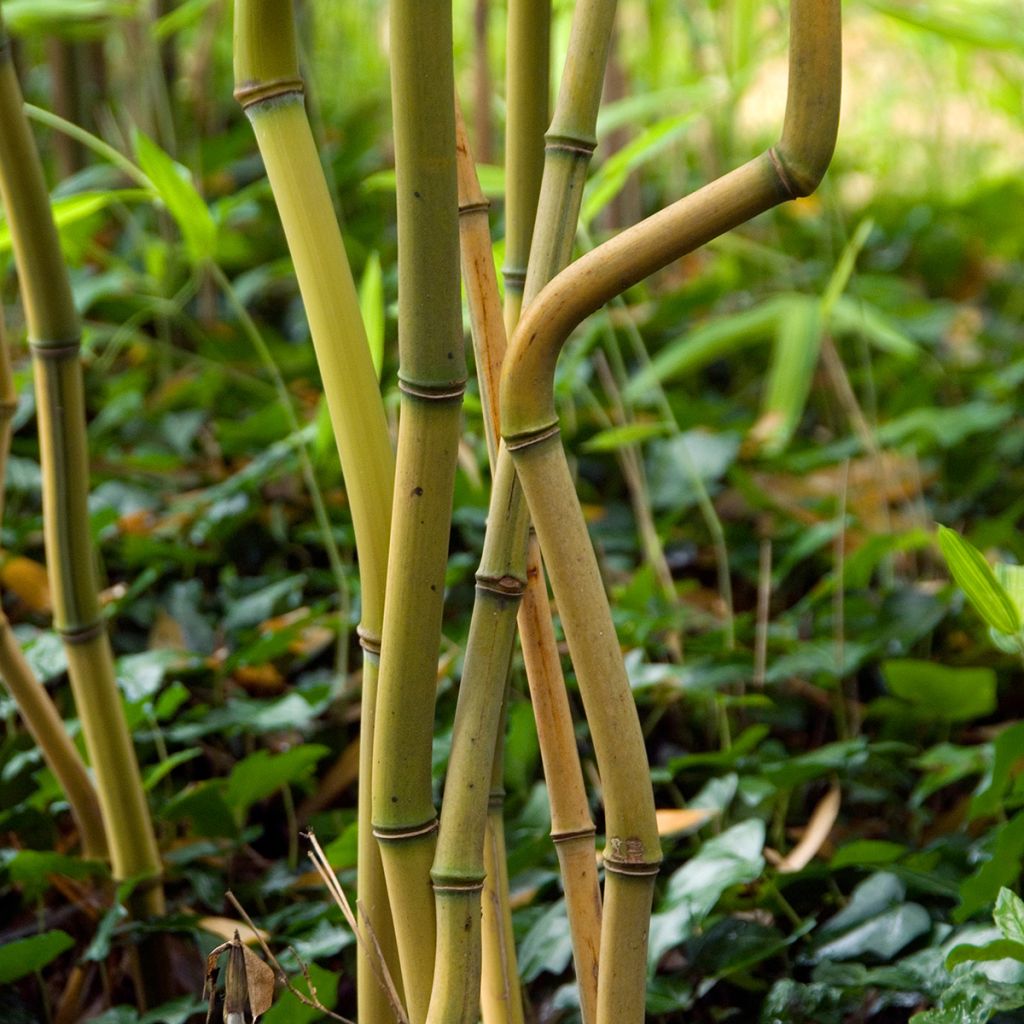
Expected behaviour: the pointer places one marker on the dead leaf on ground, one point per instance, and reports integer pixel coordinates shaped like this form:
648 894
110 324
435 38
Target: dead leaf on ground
817 831
677 821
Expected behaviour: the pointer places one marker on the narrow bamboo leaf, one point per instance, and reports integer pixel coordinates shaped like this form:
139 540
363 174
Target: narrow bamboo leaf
976 579
954 694
371 305
855 316
621 437
174 188
844 266
70 210
715 340
997 949
611 177
1011 579
1009 916
185 14
986 28
165 767
25 956
795 356
23 16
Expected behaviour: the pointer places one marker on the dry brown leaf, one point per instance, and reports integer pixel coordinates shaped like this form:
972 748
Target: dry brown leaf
676 821
28 581
166 633
259 679
817 831
260 978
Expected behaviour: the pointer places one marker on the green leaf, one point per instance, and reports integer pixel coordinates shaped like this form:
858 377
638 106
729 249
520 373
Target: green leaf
976 579
69 210
621 437
371 305
547 945
882 936
1006 748
1011 579
997 949
733 858
23 16
174 188
288 1009
31 869
1009 915
26 956
1001 869
167 765
263 773
953 694
864 852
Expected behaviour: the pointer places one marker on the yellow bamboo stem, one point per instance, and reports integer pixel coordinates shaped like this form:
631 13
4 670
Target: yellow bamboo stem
530 427
270 89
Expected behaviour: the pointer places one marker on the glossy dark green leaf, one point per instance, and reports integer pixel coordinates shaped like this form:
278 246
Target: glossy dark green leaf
955 694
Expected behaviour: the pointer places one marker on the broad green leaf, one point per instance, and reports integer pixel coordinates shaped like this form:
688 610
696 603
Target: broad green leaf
1006 748
856 316
1011 579
289 1010
870 898
976 579
865 852
733 858
174 188
371 305
54 15
955 694
882 936
69 210
998 949
1001 869
1009 915
263 773
621 437
673 462
26 956
31 869
547 945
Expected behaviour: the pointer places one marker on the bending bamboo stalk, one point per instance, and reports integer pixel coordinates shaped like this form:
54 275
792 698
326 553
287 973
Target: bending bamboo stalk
432 380
530 425
54 337
269 87
34 704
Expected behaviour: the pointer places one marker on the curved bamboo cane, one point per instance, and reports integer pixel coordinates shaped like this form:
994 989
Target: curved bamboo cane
530 426
432 379
54 337
270 89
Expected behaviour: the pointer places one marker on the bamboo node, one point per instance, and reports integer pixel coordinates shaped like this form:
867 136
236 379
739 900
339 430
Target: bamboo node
577 833
504 586
55 349
477 207
515 278
629 857
251 93
784 178
457 887
449 392
516 444
370 642
554 142
81 634
401 832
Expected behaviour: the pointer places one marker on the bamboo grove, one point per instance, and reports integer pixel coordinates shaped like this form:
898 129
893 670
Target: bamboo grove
435 919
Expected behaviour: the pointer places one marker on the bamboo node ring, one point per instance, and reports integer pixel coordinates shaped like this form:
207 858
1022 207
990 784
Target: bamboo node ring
619 867
466 887
570 144
251 93
55 350
516 444
393 835
480 207
503 586
81 634
576 833
433 392
370 642
780 170
515 277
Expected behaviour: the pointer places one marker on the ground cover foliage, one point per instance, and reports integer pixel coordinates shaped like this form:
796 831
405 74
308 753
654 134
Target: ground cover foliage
764 437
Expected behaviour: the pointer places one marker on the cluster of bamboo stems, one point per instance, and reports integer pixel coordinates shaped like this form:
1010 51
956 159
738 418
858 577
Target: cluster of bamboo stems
432 888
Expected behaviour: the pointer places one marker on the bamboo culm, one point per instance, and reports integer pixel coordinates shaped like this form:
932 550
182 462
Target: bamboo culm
530 426
54 337
270 89
432 376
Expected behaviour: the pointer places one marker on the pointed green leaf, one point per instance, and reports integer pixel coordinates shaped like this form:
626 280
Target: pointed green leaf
175 190
955 694
976 579
25 956
1009 915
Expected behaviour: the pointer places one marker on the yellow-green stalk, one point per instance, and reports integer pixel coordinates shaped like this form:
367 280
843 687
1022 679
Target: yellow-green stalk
501 999
54 337
432 380
530 425
41 717
270 89
526 102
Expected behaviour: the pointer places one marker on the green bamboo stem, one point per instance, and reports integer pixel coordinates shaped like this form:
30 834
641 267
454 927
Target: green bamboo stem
527 101
530 426
269 87
500 996
432 380
572 828
54 336
41 717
